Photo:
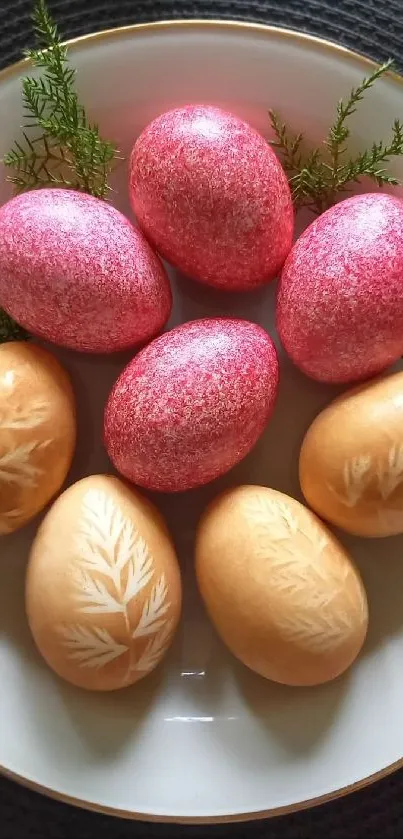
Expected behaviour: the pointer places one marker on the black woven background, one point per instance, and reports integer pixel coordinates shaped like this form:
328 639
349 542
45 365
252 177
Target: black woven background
374 27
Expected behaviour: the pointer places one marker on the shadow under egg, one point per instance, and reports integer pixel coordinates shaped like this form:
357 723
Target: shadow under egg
298 718
106 722
380 562
194 299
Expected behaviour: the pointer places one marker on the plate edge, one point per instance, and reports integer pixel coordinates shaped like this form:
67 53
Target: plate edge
92 39
252 816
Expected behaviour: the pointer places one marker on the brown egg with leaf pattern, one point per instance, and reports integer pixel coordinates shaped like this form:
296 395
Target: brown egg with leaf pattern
37 431
103 587
351 460
282 592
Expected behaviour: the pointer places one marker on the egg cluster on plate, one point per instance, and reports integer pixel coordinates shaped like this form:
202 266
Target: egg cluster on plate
103 585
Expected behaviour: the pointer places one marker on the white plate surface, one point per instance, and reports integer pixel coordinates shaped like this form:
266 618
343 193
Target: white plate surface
203 738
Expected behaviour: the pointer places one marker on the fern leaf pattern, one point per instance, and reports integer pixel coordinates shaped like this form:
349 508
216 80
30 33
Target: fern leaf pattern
276 516
16 468
140 571
94 596
153 611
322 636
361 474
25 416
155 648
93 647
305 577
356 478
390 474
108 544
112 566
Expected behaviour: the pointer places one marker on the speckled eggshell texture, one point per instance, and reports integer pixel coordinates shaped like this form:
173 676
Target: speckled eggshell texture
212 197
37 431
192 404
73 270
103 586
351 460
340 300
282 592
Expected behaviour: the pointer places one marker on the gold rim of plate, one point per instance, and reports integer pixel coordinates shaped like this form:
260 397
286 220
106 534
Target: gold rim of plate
313 43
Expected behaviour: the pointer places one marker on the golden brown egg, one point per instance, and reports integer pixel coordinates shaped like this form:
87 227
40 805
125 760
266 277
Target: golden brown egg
351 461
37 431
281 591
103 589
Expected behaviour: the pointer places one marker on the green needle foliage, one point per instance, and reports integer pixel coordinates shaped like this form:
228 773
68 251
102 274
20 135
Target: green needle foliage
10 330
59 146
319 175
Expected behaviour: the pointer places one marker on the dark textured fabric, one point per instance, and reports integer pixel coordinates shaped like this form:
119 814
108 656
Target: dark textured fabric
374 27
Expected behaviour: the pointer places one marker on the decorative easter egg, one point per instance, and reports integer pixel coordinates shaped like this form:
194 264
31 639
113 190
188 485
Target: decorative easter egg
74 271
351 461
103 588
192 404
340 300
281 591
37 431
212 197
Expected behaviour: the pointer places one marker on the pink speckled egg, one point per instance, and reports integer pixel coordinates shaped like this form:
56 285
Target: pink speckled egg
212 197
74 271
192 404
340 299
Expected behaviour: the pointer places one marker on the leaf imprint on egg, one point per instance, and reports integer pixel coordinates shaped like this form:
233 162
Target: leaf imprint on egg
356 475
16 468
113 565
24 417
359 473
390 474
91 647
307 578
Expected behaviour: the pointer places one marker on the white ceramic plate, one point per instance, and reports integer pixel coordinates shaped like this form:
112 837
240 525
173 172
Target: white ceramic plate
203 738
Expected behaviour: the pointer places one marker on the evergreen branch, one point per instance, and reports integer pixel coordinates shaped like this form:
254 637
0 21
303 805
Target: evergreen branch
316 177
288 144
10 330
65 148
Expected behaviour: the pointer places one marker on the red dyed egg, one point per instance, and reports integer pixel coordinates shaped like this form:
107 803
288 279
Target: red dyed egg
212 197
340 299
192 404
74 271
